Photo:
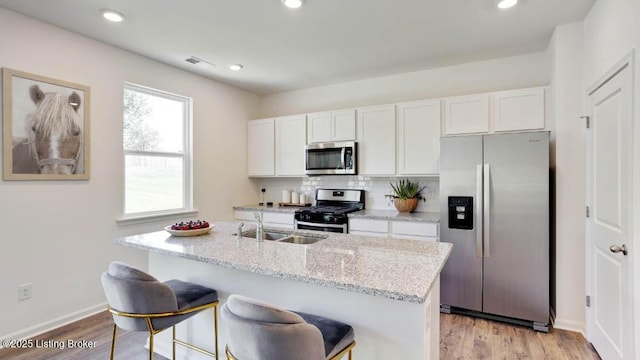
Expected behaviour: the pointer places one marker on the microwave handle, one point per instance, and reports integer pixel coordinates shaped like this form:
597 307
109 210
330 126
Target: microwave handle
343 159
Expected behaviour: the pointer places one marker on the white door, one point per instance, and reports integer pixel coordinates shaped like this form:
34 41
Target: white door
609 146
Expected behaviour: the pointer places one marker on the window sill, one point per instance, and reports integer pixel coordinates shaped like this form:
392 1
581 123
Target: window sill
149 218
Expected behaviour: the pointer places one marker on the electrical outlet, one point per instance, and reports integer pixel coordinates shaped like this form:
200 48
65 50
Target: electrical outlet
25 291
429 193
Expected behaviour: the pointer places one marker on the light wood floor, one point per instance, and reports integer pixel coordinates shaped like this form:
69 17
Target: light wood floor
461 337
464 337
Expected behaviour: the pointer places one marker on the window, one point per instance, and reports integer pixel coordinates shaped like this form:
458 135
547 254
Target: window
157 151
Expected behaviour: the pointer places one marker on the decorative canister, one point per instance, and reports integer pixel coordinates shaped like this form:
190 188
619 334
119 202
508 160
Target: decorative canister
286 196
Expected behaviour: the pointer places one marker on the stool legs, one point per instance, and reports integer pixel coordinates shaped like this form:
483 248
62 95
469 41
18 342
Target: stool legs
113 341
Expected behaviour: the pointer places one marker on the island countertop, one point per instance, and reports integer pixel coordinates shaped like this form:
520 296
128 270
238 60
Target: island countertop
397 269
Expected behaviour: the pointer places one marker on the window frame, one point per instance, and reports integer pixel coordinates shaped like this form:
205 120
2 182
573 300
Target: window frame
187 156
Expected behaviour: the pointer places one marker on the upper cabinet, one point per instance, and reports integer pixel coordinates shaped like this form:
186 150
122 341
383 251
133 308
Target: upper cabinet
331 126
418 125
276 146
466 114
522 109
511 110
261 147
376 140
398 139
290 141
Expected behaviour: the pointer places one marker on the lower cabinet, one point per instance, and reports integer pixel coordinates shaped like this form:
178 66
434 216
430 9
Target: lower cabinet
270 219
369 227
414 230
395 229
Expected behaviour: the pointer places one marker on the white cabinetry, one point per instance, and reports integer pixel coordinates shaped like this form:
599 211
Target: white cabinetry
261 147
271 219
502 111
290 140
522 109
395 229
331 126
466 114
376 140
414 230
418 125
369 227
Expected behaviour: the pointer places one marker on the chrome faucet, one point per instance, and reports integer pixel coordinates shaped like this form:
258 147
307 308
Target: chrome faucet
259 229
239 234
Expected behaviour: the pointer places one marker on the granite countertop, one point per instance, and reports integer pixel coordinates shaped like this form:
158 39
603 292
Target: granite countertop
397 269
431 217
275 208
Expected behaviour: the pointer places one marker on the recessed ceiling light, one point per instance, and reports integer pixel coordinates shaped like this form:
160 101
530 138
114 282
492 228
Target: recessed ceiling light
236 67
505 4
112 15
293 4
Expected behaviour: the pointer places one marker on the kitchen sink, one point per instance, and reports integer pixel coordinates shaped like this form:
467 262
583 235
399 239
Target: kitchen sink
300 239
285 237
267 235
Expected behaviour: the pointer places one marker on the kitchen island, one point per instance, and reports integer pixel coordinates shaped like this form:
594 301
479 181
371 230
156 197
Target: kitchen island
387 289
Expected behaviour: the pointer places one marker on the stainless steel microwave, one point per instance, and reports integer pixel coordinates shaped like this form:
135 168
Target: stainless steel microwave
331 158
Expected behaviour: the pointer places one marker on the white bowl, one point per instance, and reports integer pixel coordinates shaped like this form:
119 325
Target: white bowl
194 232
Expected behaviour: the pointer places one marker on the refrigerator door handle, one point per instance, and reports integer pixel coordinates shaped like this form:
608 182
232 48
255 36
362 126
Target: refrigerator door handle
478 211
487 209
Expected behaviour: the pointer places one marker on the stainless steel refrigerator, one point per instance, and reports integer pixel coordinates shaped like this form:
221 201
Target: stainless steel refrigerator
494 208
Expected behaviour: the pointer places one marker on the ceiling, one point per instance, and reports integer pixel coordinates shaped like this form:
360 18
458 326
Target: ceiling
323 42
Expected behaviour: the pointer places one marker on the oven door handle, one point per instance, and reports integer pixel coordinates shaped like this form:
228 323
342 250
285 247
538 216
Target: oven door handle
320 224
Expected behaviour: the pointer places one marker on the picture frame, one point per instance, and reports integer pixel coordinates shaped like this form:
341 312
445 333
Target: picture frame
46 128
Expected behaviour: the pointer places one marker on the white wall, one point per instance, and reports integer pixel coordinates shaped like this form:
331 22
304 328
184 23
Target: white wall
567 89
58 235
499 74
611 31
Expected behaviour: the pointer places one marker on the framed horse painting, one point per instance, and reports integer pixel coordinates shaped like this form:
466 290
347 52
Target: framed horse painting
45 128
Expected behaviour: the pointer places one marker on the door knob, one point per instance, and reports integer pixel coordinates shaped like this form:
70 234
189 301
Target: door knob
617 249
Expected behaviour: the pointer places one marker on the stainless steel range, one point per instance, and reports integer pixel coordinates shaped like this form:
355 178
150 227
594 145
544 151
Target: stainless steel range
331 209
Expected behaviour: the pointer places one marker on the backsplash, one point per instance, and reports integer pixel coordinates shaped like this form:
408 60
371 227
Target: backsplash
376 188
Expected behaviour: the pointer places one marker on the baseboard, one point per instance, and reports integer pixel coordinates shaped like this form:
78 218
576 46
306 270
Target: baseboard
570 325
55 323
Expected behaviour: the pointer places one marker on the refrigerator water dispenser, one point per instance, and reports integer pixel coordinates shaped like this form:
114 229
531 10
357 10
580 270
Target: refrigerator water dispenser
461 212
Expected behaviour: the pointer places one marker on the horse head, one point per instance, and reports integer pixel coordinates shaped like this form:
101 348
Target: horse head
56 131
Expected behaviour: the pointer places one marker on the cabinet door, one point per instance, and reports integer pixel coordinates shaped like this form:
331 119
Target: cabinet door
290 141
319 127
419 138
260 148
466 114
343 125
377 140
414 230
521 109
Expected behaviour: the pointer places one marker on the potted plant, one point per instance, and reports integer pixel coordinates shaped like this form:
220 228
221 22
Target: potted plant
406 195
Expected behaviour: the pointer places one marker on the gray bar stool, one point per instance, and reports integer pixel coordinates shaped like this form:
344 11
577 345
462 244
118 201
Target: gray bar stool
139 302
259 331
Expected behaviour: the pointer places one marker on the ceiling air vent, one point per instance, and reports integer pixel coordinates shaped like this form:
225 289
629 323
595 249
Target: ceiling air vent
196 60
